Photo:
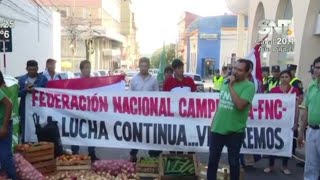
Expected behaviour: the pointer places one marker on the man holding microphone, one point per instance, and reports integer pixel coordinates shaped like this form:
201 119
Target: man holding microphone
230 120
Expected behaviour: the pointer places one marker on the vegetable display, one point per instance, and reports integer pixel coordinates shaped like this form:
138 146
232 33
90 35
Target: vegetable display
26 147
179 166
25 170
114 167
86 175
148 160
67 160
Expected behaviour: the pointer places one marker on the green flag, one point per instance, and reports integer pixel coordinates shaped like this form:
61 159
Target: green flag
162 65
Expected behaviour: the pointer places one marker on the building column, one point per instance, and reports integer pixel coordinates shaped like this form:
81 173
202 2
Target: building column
240 34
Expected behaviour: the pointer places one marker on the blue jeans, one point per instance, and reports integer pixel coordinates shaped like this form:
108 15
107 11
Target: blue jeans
312 148
6 155
233 142
75 150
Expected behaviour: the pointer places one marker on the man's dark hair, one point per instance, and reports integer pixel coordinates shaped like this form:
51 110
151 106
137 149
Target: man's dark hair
144 60
248 63
32 63
317 60
50 60
168 69
83 63
2 82
177 63
286 72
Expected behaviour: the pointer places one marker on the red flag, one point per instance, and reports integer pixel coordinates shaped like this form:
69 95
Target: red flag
92 83
254 57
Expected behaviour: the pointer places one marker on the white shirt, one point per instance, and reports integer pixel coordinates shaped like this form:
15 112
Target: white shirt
47 75
148 84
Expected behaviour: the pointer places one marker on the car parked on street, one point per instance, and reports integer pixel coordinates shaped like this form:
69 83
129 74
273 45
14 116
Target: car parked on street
129 76
197 80
66 75
10 80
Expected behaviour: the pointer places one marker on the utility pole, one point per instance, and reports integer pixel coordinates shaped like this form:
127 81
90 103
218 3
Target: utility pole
4 56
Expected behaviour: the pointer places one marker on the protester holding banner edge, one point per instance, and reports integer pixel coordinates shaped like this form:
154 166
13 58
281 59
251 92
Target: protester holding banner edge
230 121
143 81
85 68
27 84
285 87
6 129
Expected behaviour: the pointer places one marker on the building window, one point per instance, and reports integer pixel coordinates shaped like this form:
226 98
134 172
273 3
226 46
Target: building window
65 12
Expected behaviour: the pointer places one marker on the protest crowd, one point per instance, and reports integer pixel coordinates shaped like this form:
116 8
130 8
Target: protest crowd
74 117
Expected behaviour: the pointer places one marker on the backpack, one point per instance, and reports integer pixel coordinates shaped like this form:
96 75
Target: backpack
49 133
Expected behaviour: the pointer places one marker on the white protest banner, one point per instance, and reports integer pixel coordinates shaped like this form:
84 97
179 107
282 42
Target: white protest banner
159 121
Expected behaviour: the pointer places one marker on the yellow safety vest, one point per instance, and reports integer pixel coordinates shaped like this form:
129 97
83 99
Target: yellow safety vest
272 85
265 80
217 82
293 80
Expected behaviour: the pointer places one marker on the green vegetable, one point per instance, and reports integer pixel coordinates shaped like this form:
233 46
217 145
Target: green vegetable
168 165
186 169
184 165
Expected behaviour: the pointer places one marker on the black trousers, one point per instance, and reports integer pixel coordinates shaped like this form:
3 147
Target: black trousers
233 142
284 161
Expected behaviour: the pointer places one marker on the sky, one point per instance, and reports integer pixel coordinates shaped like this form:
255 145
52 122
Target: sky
157 20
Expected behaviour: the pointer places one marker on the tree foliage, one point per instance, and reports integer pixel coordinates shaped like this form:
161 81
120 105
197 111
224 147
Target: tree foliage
170 54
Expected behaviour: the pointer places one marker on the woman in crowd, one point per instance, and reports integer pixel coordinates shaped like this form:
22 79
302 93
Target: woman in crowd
286 88
6 156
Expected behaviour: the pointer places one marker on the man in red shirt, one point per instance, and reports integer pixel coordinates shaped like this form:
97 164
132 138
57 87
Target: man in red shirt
178 82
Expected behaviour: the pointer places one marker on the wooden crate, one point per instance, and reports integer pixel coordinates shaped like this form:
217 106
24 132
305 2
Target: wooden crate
41 156
74 167
146 171
147 176
147 168
192 157
73 163
202 172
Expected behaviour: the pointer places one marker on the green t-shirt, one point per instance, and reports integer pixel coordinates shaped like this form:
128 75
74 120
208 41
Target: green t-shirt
312 102
228 119
2 95
12 93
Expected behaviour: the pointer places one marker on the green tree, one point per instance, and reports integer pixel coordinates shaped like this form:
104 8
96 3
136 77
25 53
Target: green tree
156 55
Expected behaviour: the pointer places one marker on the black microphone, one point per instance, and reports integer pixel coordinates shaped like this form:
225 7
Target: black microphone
228 80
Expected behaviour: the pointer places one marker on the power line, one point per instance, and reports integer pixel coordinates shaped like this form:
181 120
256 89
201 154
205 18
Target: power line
30 15
25 14
43 11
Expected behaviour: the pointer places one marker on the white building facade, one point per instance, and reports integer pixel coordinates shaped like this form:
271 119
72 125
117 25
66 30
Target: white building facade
305 30
229 45
35 35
